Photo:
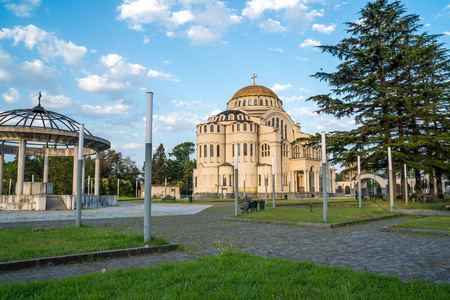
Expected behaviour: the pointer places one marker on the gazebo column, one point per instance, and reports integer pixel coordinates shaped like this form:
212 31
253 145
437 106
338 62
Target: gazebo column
21 167
46 163
97 174
1 169
306 186
316 181
75 166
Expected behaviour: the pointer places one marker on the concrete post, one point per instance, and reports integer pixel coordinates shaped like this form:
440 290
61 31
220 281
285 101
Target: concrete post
1 170
21 167
236 182
273 182
97 174
244 182
359 181
324 178
83 174
79 174
391 180
75 168
406 184
148 170
265 181
46 165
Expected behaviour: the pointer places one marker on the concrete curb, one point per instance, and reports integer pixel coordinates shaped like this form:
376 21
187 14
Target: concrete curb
65 259
415 230
302 224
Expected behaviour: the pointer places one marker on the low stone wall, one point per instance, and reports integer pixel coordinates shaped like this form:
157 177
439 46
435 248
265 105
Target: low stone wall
90 201
23 202
38 202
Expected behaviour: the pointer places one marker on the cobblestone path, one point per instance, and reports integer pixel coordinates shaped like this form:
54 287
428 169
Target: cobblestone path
359 247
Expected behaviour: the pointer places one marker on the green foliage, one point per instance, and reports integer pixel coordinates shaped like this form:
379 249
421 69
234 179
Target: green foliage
49 241
229 276
159 165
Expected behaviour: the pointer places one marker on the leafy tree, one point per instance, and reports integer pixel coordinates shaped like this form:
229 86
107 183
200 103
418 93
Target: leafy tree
182 167
394 83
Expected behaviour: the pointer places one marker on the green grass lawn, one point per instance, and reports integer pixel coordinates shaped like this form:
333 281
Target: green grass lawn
430 222
228 276
28 243
336 214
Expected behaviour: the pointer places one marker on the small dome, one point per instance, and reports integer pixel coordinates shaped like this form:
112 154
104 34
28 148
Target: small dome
254 90
232 115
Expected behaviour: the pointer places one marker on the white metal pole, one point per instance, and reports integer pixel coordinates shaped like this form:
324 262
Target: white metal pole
273 182
10 182
391 180
244 182
32 178
79 173
136 187
236 182
89 185
265 181
406 184
324 179
359 181
148 170
289 174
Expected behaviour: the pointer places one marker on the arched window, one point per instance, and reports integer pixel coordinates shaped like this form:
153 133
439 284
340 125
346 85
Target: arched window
245 149
218 128
239 149
224 180
200 151
273 122
265 150
211 128
222 118
239 103
245 127
271 103
238 127
245 101
285 131
200 129
284 150
205 150
205 128
211 150
260 101
232 150
282 129
251 149
297 151
278 123
268 123
251 127
218 150
255 102
240 117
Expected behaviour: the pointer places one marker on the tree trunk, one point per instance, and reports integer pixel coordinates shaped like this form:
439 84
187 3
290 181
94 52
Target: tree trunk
432 187
440 191
418 186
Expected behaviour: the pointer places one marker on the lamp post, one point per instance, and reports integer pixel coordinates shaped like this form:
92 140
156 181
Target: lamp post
265 181
244 182
391 180
148 169
359 181
79 173
236 183
406 184
273 182
324 178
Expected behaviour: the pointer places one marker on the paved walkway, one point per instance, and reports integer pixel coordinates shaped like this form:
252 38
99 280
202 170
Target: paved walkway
360 247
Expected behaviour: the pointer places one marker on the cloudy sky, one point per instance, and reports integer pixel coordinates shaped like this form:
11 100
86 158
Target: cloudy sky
94 61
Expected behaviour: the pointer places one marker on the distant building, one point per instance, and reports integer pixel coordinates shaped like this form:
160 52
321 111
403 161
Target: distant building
256 122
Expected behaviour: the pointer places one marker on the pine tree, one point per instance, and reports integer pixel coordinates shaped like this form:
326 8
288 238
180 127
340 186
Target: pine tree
159 165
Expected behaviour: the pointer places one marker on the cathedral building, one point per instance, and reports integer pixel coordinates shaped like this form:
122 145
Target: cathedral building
265 136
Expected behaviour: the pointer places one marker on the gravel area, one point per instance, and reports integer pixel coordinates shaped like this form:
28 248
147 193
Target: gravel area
361 247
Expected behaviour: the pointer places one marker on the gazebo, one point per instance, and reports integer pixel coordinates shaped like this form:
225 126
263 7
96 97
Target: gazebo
39 132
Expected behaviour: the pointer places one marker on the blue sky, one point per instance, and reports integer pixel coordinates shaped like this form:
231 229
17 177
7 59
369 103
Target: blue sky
94 61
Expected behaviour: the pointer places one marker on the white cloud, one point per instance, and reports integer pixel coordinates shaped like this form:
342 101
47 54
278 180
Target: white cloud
157 74
53 102
114 108
323 28
301 58
47 44
447 32
36 70
23 8
310 43
203 22
277 49
6 66
132 146
255 8
279 87
293 98
120 76
11 96
146 39
272 26
177 122
215 112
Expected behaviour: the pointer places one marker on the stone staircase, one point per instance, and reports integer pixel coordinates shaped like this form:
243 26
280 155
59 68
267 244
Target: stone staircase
55 202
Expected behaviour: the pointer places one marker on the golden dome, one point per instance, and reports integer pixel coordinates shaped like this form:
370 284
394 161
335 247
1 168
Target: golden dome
254 90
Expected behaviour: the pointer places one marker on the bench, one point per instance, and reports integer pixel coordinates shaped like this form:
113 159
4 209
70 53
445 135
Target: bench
171 198
248 205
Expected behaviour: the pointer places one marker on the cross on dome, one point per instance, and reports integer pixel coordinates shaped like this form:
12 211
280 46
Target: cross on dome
254 77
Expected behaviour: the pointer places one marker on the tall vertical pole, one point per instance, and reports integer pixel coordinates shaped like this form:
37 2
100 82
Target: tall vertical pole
148 170
136 187
391 180
165 187
97 174
32 178
289 174
324 178
89 185
10 183
244 182
273 182
21 167
1 169
406 184
79 173
265 181
236 182
46 164
118 188
359 181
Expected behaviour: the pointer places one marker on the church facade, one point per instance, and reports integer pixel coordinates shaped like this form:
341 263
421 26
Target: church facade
265 136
